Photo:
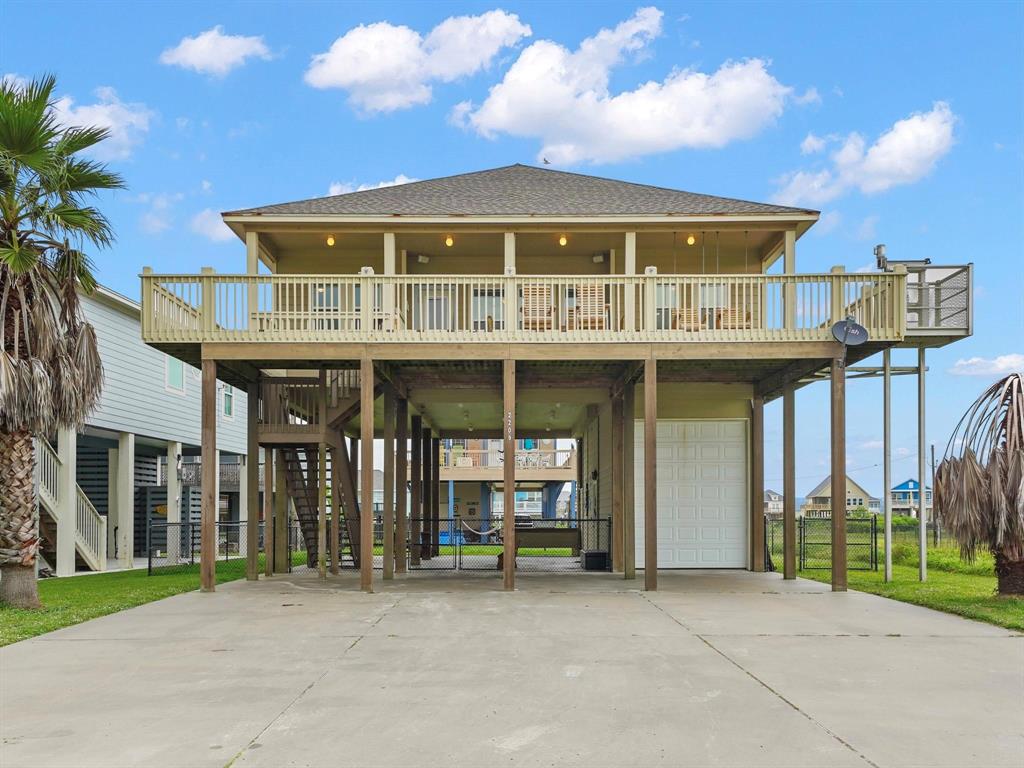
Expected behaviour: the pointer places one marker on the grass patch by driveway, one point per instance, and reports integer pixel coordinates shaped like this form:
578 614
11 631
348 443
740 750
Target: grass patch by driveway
966 594
74 599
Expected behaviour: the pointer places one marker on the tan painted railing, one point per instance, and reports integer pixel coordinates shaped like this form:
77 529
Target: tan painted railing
90 525
534 458
407 308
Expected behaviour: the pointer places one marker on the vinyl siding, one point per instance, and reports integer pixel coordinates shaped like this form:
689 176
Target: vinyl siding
135 395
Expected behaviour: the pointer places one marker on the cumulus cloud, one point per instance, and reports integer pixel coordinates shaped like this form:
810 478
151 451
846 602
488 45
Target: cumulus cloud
904 154
812 144
127 123
562 98
159 214
209 224
989 366
385 67
810 96
828 222
344 187
214 53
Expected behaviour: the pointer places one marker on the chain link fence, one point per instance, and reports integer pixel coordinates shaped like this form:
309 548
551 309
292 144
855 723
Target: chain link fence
177 547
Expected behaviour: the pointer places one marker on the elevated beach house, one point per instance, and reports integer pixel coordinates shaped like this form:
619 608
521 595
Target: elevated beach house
649 325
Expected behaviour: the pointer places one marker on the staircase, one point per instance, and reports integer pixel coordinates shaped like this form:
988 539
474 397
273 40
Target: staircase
302 479
90 525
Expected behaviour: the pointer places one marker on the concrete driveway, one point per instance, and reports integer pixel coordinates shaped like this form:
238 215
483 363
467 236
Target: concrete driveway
716 669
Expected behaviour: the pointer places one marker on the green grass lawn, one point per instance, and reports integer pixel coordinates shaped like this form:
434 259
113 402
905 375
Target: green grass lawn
75 599
965 589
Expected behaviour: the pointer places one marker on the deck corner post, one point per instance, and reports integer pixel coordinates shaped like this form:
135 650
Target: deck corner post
366 387
838 491
789 482
509 474
650 474
208 515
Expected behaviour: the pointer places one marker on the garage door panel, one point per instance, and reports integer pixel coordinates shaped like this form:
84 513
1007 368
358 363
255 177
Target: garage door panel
702 494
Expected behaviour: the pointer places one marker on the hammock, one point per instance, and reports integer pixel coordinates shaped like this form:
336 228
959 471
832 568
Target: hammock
495 529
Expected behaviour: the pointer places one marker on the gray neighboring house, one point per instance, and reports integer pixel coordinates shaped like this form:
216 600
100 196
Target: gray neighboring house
96 487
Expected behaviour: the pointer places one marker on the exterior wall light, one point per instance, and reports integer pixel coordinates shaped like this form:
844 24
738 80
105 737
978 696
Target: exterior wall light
691 240
563 240
449 241
330 240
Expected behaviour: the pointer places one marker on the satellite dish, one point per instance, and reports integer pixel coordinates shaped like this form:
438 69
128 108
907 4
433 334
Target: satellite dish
849 333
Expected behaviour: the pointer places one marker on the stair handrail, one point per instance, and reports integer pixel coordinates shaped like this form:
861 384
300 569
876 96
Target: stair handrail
90 531
48 466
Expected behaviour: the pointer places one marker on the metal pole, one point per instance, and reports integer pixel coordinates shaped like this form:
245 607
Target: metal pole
887 460
922 515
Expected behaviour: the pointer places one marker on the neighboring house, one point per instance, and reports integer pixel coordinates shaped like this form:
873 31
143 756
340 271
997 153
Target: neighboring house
819 501
95 486
599 310
906 499
772 503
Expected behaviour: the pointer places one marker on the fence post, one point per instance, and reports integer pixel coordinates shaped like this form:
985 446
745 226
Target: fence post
149 546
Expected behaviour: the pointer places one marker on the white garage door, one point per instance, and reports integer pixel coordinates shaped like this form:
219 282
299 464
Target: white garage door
702 493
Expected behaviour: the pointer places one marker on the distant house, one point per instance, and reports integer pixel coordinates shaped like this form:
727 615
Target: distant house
772 503
906 498
819 500
97 486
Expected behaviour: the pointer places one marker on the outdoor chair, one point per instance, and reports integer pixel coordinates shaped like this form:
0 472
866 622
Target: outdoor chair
538 308
591 310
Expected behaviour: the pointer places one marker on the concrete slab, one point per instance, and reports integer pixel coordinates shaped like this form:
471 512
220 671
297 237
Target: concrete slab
717 668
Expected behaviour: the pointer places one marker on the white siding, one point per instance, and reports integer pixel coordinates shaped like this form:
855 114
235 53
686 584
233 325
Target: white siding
135 396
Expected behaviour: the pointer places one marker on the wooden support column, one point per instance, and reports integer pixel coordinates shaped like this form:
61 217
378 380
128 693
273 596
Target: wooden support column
208 518
67 499
335 486
173 481
416 490
617 545
629 268
268 511
628 481
366 467
281 527
435 497
838 476
252 483
789 482
509 474
389 483
401 479
650 474
125 485
757 560
252 267
789 268
321 510
426 550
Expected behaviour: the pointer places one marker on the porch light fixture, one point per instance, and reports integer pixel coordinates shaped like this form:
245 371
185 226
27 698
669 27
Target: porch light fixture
330 240
449 241
563 240
691 240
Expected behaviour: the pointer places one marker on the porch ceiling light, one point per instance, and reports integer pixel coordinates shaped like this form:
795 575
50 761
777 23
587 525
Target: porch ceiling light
330 240
691 240
449 241
563 240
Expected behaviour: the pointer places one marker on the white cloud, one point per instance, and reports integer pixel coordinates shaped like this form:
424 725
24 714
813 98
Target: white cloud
385 67
868 228
159 213
127 123
811 144
562 97
985 366
14 80
205 185
344 187
904 154
872 445
810 96
828 222
214 53
209 224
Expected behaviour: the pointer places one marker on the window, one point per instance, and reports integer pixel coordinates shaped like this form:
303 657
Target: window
174 374
229 401
488 309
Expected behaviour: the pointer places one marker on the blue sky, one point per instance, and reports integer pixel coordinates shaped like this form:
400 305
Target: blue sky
218 106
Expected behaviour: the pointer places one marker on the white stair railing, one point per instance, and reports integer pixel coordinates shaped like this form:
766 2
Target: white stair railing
90 525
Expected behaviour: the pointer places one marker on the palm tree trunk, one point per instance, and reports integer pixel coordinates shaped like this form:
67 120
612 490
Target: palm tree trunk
1009 574
19 521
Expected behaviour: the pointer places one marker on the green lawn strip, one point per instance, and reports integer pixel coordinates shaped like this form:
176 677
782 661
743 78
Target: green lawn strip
74 599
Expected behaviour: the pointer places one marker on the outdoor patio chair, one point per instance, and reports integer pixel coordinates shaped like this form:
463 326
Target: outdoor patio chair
687 319
591 311
538 308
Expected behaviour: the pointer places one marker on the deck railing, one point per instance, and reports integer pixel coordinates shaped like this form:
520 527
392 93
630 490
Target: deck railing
531 458
411 308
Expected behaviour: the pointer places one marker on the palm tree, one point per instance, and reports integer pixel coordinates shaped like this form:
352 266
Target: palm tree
979 486
50 370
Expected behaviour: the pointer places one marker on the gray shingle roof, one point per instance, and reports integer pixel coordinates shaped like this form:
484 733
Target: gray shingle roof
521 190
